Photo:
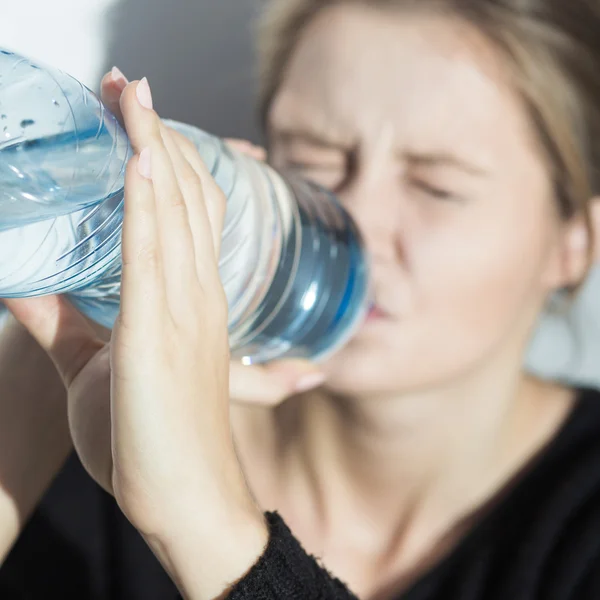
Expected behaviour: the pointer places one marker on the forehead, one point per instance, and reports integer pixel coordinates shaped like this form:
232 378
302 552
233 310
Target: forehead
425 77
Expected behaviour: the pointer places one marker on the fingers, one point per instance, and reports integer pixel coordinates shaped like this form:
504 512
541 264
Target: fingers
192 187
273 383
113 84
142 279
215 200
111 88
175 241
60 330
246 147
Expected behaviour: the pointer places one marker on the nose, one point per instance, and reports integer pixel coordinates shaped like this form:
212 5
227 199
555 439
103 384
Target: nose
375 207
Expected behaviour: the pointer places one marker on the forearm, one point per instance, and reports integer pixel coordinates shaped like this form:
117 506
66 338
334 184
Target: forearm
34 434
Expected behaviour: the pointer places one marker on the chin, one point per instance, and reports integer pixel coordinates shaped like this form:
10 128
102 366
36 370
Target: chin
386 358
364 366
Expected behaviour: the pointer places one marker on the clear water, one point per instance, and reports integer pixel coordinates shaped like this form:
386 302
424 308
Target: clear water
292 263
62 254
312 303
319 293
42 178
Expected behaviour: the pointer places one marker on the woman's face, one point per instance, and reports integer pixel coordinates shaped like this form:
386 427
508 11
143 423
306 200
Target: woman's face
411 120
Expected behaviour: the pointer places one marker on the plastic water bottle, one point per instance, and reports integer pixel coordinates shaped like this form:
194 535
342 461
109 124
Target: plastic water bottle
292 263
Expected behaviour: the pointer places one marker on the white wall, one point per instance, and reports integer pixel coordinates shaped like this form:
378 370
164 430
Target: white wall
198 57
197 54
68 34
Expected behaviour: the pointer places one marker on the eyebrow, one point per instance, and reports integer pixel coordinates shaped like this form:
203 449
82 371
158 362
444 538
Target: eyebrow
436 159
424 159
287 135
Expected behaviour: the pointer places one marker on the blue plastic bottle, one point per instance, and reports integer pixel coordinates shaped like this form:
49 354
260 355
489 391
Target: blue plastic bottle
292 263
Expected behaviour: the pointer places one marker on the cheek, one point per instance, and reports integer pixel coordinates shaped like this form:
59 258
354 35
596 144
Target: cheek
481 271
471 282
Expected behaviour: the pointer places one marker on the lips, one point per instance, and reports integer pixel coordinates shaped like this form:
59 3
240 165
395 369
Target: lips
375 313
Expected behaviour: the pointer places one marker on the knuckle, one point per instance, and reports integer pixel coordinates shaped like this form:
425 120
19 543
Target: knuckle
176 203
190 180
209 299
148 257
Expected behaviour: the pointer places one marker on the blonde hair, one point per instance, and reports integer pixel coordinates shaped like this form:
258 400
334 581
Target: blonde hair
551 46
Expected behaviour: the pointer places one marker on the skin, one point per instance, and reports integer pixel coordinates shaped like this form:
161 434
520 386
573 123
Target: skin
381 470
459 279
164 371
34 435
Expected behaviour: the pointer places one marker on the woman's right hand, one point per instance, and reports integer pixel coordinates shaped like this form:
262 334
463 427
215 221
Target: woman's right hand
266 385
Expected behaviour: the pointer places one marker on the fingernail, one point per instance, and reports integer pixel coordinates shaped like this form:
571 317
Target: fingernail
119 78
310 382
144 164
144 94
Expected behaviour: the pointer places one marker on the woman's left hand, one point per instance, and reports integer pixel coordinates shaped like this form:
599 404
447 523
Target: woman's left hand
169 458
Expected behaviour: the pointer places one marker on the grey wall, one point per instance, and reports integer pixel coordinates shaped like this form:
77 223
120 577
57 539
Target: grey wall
197 54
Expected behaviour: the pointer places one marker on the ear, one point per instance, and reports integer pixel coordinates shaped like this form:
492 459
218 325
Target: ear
572 252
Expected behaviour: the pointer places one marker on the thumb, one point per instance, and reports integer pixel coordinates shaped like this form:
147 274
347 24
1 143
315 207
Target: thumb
60 330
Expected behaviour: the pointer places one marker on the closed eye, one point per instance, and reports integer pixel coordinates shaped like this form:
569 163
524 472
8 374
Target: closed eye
433 191
328 176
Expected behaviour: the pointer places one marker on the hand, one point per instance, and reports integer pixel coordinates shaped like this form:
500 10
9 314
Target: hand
168 456
266 385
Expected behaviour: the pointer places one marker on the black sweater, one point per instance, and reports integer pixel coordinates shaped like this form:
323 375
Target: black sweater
539 541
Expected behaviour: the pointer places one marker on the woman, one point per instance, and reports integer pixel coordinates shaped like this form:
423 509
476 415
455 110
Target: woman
422 461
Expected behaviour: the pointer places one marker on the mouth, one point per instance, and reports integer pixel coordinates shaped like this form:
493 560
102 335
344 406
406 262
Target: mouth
375 313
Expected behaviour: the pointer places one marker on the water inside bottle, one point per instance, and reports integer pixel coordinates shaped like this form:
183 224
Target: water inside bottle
311 301
45 177
48 243
319 293
315 300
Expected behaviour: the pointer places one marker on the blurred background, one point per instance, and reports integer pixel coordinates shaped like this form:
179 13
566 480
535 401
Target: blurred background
199 58
197 54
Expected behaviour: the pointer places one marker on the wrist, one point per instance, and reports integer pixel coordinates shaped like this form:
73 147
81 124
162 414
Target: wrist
211 552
